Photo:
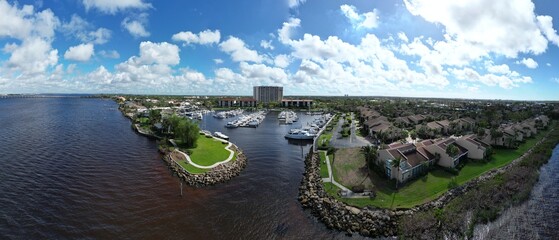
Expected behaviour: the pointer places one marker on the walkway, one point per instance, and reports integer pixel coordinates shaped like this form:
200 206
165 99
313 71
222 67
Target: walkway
228 148
352 140
330 176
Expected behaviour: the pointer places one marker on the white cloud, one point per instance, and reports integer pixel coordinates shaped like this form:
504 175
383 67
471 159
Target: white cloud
81 53
136 26
158 53
109 54
555 80
402 36
21 23
546 26
206 37
548 64
113 6
295 3
528 62
505 27
99 36
267 44
218 61
507 81
238 51
282 61
81 29
33 56
366 20
285 32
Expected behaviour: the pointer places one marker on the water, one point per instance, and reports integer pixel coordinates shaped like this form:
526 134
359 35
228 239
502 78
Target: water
537 218
74 168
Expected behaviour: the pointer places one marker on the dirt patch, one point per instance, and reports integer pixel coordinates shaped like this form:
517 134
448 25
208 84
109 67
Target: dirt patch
350 168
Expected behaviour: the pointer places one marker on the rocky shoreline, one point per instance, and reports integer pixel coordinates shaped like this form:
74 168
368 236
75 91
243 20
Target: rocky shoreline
219 174
368 221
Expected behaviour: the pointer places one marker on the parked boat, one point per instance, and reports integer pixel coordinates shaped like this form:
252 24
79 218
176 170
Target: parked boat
221 135
232 124
300 134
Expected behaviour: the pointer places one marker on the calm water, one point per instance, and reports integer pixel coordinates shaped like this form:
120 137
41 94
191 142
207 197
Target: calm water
538 218
73 168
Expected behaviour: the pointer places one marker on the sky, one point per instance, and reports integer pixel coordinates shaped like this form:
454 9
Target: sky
485 49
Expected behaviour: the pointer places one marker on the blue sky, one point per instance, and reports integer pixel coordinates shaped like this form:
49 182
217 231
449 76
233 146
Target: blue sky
501 49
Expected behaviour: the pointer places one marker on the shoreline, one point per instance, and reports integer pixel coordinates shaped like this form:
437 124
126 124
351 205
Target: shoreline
219 174
376 222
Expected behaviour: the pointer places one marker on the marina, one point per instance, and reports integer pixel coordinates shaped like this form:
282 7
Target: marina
252 120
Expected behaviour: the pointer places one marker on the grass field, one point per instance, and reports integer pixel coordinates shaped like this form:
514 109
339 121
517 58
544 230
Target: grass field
208 151
323 166
192 169
436 182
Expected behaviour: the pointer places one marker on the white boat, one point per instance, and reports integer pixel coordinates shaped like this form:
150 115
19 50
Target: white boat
299 134
220 115
221 135
253 123
232 125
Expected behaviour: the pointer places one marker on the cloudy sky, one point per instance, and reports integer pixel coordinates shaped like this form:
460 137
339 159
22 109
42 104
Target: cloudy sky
491 49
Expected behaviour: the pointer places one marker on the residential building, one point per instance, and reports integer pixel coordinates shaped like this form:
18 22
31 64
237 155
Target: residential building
440 147
413 161
267 94
476 149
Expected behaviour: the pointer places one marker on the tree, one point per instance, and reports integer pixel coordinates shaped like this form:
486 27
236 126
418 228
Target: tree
187 131
413 135
332 151
396 163
370 154
437 158
452 150
154 116
495 134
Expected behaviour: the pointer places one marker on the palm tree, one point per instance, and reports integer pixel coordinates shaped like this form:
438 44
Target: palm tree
370 154
333 152
396 163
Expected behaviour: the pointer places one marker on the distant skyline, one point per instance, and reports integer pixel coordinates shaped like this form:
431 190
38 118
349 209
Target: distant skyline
502 49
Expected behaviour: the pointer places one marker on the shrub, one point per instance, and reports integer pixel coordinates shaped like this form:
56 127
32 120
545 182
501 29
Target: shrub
358 189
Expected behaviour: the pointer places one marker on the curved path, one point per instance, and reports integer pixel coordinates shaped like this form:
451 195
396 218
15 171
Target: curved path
228 148
330 177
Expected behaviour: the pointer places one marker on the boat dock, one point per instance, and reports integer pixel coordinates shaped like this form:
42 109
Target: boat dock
252 120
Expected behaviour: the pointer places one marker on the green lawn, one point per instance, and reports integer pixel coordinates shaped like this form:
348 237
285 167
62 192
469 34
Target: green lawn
208 151
324 138
323 166
192 169
436 182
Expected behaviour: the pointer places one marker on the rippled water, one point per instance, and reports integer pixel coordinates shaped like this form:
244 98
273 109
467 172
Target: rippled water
74 168
537 218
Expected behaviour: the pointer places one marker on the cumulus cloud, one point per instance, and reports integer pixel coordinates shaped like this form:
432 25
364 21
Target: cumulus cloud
295 3
112 6
109 54
218 61
81 29
136 26
366 20
206 37
33 56
505 27
81 53
267 44
546 25
528 62
507 81
285 32
35 31
282 61
239 51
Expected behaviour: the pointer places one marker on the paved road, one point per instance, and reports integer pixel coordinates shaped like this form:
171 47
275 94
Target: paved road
352 141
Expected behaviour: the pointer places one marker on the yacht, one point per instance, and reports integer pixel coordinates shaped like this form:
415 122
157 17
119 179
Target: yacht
232 124
299 134
253 123
221 135
220 115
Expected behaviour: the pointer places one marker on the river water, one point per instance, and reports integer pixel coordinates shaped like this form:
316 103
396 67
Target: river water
73 168
537 218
